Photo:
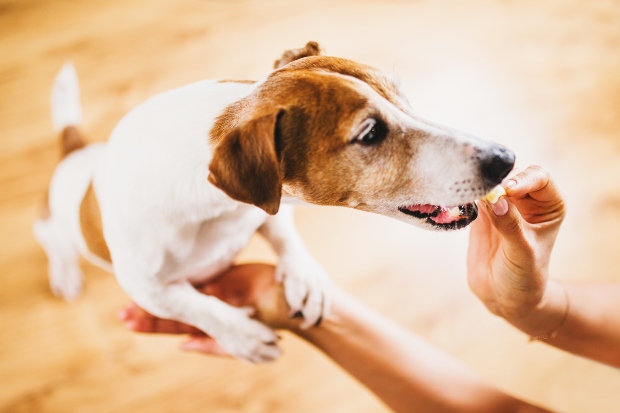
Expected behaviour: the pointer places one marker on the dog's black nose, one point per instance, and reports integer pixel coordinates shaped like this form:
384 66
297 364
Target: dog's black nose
496 164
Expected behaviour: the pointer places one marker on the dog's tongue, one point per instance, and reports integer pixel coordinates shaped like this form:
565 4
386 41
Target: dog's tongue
444 217
424 209
437 214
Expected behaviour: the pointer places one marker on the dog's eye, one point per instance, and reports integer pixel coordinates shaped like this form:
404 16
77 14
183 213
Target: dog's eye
372 132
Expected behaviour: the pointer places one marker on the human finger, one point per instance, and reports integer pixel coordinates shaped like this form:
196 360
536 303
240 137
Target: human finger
205 345
509 223
534 181
138 320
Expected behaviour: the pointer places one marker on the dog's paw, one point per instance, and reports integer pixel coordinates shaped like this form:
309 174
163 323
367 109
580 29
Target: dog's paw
66 280
306 287
248 339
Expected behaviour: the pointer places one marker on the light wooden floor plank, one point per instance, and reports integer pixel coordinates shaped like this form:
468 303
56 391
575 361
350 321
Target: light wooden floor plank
541 77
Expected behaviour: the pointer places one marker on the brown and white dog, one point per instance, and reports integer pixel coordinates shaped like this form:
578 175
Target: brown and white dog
189 175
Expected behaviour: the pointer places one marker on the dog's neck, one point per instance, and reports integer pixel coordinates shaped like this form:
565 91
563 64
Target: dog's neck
290 199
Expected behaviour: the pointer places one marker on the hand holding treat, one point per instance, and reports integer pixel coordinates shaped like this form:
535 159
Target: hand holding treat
510 247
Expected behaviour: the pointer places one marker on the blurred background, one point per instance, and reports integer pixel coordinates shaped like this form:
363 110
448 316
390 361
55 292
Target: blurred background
541 77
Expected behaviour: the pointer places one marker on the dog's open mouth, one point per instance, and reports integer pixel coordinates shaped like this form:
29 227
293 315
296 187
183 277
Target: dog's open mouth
447 218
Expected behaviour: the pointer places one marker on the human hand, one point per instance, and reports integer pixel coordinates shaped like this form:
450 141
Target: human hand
249 285
510 247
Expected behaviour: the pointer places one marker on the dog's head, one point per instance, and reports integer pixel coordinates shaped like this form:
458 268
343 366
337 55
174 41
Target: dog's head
330 131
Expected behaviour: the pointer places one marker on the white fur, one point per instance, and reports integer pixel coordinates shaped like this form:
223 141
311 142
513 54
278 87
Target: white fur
60 234
66 109
166 226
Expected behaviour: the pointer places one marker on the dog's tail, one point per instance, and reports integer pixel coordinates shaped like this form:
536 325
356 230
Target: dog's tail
66 109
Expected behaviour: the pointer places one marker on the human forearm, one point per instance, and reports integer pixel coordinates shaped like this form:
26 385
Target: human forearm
591 327
400 368
508 269
404 371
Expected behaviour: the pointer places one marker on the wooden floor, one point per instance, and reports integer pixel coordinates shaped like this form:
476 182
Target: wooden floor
541 77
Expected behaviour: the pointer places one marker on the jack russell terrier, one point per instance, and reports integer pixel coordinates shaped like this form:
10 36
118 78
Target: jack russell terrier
188 176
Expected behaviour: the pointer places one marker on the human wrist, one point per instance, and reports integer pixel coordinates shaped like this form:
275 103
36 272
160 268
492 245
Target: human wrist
545 318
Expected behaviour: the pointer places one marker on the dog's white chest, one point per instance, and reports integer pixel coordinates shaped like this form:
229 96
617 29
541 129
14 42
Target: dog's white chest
158 208
199 251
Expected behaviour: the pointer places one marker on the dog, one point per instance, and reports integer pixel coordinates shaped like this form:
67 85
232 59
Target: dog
187 177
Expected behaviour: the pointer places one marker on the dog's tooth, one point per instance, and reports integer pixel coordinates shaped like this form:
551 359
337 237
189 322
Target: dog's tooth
455 212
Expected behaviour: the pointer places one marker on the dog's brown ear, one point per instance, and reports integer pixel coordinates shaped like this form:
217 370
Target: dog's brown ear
245 164
310 49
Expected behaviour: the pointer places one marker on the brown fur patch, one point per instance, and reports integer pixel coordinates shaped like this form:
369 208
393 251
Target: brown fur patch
295 139
385 86
318 103
310 49
91 225
70 141
227 120
247 166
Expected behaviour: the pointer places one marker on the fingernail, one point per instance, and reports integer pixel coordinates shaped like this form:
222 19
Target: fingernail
190 345
509 183
131 325
500 208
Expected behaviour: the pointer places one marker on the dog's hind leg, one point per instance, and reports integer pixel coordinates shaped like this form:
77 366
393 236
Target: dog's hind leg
65 275
58 230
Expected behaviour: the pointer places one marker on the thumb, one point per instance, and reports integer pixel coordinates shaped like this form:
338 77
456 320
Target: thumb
506 218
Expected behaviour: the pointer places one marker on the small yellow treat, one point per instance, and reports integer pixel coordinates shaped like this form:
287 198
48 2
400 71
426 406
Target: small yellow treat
494 195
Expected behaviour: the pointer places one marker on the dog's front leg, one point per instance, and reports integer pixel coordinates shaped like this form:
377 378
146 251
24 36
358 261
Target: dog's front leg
306 284
231 327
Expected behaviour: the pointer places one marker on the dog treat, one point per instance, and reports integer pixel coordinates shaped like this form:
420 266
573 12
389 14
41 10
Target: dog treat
494 195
